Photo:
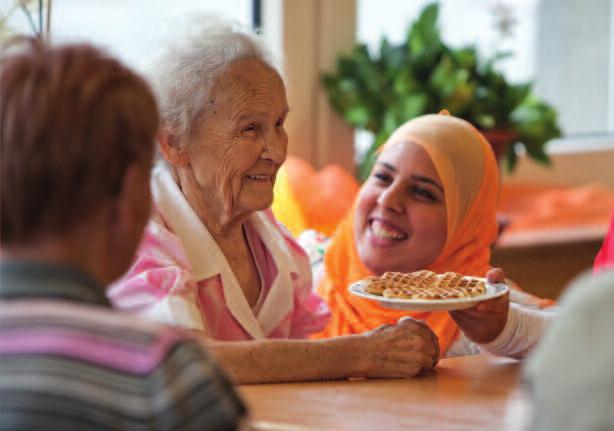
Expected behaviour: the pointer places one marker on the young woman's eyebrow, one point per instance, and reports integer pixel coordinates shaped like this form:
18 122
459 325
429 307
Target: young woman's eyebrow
414 177
388 166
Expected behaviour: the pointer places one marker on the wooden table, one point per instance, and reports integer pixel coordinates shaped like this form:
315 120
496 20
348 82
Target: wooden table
470 393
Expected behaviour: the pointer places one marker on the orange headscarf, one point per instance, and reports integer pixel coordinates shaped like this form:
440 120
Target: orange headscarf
467 168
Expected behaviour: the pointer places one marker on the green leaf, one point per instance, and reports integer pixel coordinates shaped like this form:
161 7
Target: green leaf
442 77
404 83
485 121
466 58
357 116
425 29
427 22
424 44
391 122
393 58
463 94
536 151
511 158
412 106
519 92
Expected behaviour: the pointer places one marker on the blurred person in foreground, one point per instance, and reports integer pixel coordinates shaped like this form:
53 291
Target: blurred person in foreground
571 373
77 133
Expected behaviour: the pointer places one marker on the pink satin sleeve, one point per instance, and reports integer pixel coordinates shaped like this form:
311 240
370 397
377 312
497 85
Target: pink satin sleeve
158 270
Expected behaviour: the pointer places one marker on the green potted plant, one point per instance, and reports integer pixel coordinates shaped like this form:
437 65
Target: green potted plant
423 75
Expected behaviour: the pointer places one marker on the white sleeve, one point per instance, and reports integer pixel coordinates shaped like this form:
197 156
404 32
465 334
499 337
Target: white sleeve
522 332
462 346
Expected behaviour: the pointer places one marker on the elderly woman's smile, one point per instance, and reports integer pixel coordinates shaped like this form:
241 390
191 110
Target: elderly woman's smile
262 175
257 186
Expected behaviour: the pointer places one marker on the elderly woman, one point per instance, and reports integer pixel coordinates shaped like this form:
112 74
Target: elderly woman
213 258
430 203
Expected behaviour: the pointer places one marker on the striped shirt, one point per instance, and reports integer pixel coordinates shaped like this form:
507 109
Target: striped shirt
68 361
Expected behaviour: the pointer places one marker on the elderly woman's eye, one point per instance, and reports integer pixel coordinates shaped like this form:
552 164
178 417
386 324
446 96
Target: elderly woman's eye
280 122
249 128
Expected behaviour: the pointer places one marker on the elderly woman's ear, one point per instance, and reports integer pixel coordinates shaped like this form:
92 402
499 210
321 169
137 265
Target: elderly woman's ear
172 148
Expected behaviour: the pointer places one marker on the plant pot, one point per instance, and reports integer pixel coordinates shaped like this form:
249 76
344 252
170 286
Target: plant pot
500 140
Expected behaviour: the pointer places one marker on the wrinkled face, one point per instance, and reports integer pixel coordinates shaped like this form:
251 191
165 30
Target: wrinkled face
401 222
241 142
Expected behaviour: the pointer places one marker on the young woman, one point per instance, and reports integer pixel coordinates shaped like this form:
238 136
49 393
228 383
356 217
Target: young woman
430 203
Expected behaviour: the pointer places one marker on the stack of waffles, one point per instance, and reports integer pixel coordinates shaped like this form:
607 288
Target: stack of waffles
425 285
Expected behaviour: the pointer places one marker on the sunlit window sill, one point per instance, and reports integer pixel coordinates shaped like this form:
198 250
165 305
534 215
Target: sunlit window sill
580 144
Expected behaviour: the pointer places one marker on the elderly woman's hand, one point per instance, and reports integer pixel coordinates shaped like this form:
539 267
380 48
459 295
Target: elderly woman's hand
485 321
401 350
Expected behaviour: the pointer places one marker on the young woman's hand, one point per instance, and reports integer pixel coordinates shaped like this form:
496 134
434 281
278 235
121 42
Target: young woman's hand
400 350
485 321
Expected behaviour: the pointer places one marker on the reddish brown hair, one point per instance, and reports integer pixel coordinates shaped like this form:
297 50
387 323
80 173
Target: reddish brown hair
71 120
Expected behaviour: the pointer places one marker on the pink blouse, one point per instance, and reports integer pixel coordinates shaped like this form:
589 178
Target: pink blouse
181 277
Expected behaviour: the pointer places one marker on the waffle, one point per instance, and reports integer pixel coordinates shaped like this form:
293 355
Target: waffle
424 285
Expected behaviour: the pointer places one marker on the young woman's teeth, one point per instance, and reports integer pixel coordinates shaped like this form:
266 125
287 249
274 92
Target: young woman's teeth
386 232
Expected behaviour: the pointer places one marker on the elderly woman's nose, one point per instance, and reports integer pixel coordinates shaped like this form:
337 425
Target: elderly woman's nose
392 198
275 147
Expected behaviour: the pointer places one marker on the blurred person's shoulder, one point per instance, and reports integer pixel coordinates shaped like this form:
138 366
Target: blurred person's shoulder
589 291
76 349
98 336
92 324
586 314
570 373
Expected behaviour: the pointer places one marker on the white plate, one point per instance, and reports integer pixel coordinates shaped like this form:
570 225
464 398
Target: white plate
492 291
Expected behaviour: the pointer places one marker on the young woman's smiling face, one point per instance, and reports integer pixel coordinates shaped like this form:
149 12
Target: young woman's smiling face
401 222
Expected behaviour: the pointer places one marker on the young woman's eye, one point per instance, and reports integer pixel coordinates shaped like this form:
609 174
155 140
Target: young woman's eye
383 177
424 194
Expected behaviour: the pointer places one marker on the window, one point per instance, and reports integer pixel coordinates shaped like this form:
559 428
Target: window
129 29
565 46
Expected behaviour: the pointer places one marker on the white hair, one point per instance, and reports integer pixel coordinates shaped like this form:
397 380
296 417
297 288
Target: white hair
188 67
